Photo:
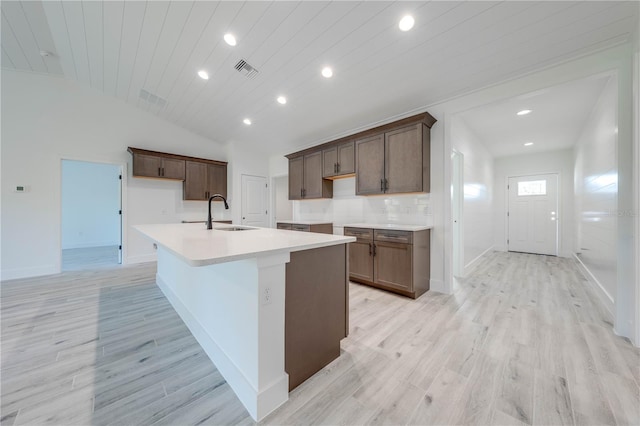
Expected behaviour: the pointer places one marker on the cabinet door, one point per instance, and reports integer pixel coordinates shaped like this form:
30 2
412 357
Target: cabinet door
330 162
217 180
296 178
403 159
361 260
393 265
346 158
195 182
286 226
173 169
370 165
147 165
313 175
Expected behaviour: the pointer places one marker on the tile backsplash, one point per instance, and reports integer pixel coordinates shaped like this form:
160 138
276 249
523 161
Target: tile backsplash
346 207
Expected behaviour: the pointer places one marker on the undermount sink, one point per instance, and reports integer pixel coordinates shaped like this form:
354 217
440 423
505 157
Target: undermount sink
234 228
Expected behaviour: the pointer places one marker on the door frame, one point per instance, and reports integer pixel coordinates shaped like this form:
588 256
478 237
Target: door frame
559 216
266 197
123 204
457 212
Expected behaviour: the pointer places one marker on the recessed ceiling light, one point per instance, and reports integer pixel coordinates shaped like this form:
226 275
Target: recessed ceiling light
327 72
524 112
406 23
247 121
230 39
203 75
282 100
528 144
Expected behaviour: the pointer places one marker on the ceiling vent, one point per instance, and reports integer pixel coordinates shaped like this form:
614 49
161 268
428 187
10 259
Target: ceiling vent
152 99
245 69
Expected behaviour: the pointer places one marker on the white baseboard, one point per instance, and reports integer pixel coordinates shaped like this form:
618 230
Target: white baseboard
141 259
603 294
475 262
17 273
91 244
438 285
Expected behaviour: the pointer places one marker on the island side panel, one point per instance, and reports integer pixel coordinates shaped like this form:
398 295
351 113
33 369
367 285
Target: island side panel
223 306
316 315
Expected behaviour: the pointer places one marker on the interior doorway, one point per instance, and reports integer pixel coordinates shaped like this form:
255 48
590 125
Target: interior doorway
254 201
91 228
533 214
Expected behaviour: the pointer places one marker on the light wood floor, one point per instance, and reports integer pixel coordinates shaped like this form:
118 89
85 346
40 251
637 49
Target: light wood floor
89 258
523 341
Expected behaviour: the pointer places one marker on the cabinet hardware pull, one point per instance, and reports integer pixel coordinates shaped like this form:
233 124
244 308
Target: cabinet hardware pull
370 251
159 174
381 185
374 249
163 171
335 168
386 185
300 192
338 167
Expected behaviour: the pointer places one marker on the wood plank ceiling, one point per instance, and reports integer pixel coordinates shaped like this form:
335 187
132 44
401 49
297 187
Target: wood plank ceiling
123 47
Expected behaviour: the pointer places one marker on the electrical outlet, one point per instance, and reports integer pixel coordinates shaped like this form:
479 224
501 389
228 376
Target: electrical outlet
266 296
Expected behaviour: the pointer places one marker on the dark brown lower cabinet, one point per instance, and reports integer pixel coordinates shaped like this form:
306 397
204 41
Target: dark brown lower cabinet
316 310
397 261
320 228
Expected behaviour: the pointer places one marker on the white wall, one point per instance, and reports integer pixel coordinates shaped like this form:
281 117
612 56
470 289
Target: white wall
560 162
90 204
243 161
283 208
596 189
477 224
45 119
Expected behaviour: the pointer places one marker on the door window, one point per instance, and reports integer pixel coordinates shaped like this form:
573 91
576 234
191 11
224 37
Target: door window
532 187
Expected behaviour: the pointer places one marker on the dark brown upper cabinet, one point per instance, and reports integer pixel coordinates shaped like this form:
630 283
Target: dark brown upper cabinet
156 165
389 159
305 178
201 177
370 165
394 162
204 179
339 160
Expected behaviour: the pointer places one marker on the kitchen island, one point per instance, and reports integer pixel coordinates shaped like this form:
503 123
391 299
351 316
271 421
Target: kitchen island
269 307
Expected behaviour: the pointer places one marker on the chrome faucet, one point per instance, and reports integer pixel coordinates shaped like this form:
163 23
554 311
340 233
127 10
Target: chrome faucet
226 206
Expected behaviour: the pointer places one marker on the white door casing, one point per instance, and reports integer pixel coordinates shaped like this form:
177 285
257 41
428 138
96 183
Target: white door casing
457 203
254 201
532 212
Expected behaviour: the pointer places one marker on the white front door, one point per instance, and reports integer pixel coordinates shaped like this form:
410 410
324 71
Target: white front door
254 201
533 214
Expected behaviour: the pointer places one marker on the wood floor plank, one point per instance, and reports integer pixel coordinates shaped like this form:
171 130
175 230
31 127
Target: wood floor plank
552 403
440 404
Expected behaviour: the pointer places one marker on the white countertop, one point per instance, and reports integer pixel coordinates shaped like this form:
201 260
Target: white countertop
198 246
305 222
390 226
